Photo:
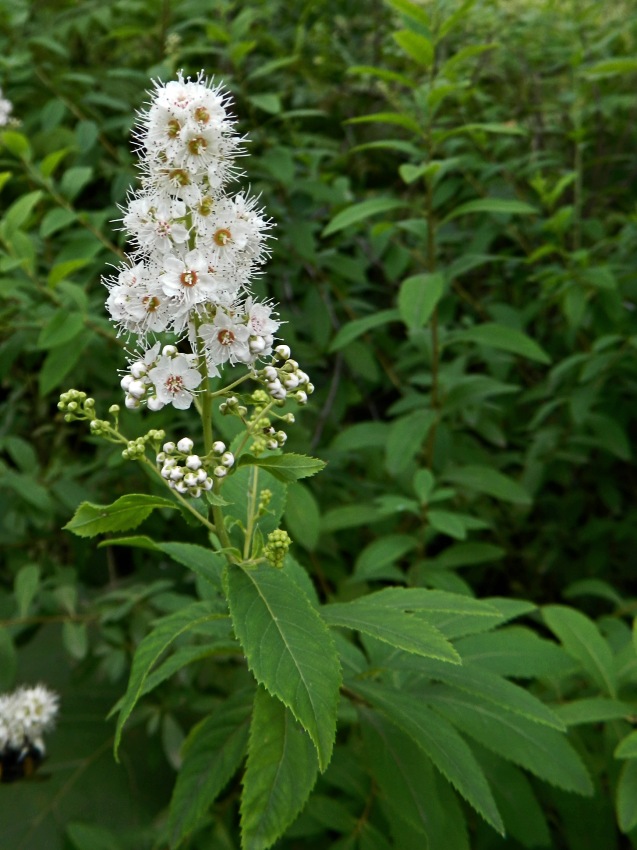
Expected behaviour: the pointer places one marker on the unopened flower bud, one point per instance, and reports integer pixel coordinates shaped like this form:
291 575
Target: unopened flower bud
126 381
301 397
193 462
227 459
137 389
131 402
138 370
218 447
154 404
169 448
283 351
169 351
220 471
185 445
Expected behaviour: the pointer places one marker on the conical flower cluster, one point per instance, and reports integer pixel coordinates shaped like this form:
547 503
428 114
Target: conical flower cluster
195 249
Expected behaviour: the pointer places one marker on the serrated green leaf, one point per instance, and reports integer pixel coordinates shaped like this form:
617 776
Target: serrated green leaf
626 799
405 778
127 512
361 211
503 338
501 206
352 330
412 10
281 770
583 641
485 479
439 741
516 651
205 562
285 467
474 679
417 46
611 67
288 647
541 750
418 297
523 816
592 710
150 650
391 625
213 752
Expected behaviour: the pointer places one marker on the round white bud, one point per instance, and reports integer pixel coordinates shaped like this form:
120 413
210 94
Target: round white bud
169 448
169 350
138 370
137 389
220 471
227 459
131 402
185 445
154 403
283 351
193 462
218 447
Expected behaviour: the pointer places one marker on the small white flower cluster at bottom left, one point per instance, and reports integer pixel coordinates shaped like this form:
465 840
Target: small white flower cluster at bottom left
25 715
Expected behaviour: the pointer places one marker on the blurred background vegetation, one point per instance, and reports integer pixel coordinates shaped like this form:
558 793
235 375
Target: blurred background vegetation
478 437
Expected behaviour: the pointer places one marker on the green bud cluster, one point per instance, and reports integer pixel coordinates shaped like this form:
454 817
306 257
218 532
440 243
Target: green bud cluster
76 405
231 406
136 449
276 547
265 497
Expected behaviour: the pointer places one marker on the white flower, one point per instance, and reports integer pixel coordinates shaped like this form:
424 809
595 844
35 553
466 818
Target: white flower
156 223
6 108
259 320
226 339
174 378
188 279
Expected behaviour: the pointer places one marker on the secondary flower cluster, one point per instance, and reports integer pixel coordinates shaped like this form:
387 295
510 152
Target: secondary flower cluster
25 715
195 249
6 108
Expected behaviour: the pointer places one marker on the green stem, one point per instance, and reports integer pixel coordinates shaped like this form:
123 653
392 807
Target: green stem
252 511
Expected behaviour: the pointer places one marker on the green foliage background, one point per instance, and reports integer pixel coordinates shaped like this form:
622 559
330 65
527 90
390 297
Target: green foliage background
453 186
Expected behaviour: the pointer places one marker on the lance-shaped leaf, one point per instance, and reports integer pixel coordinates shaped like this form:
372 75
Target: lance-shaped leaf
405 776
449 752
392 626
450 613
476 680
352 330
281 770
360 212
492 205
543 751
151 649
286 467
582 640
288 647
212 753
127 512
504 338
206 563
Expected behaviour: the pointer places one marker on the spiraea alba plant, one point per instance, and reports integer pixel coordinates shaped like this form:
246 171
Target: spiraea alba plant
407 702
